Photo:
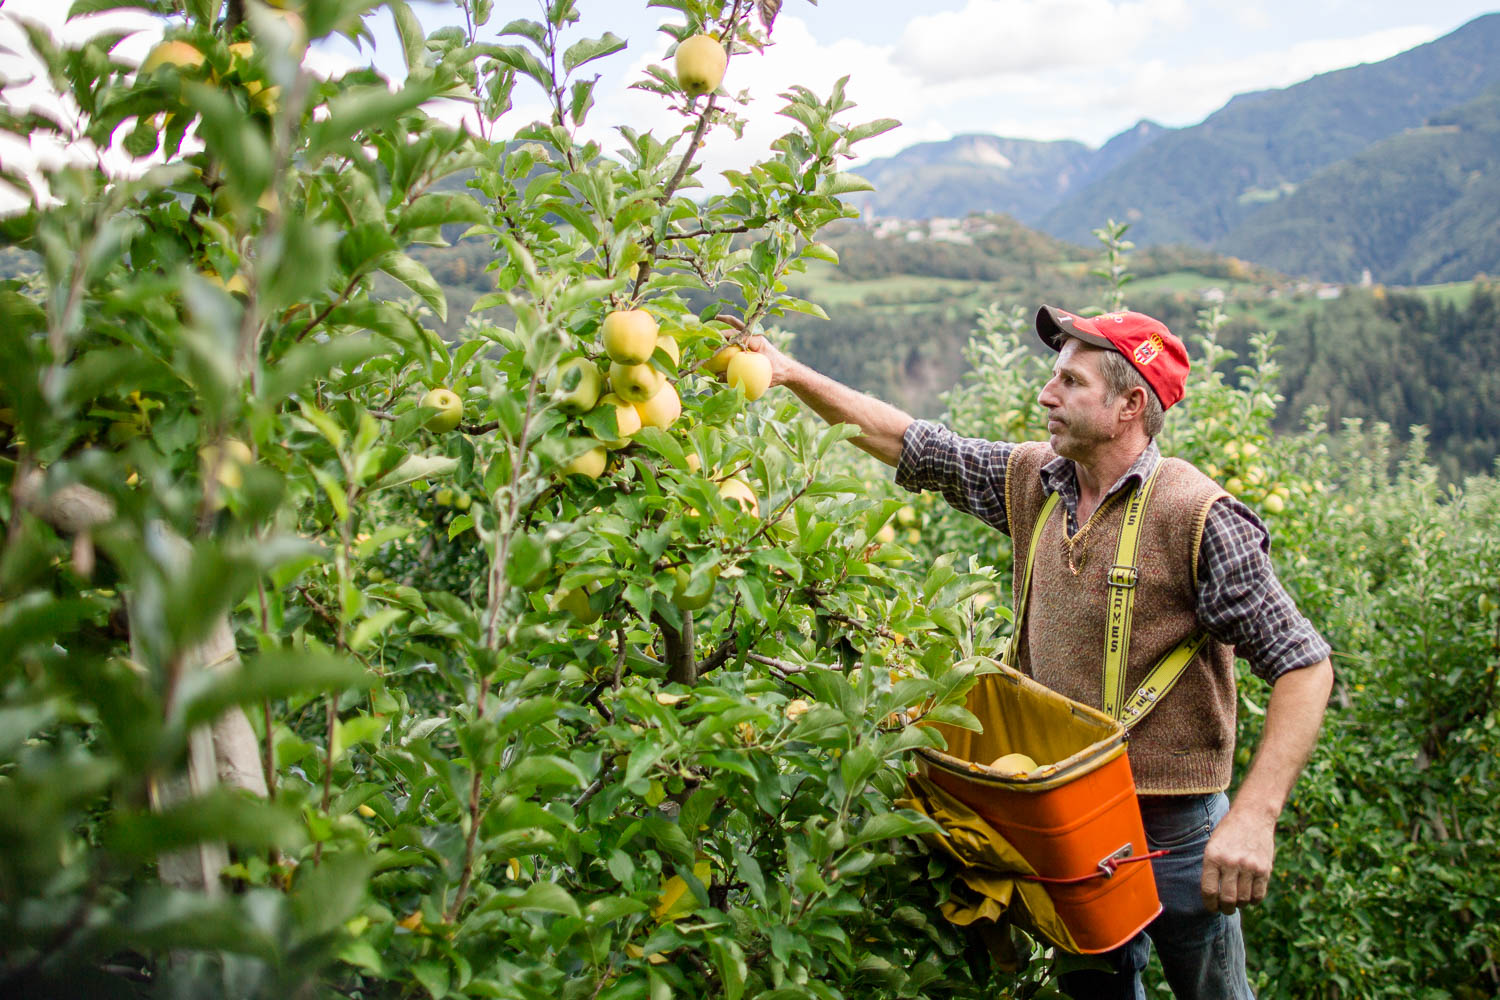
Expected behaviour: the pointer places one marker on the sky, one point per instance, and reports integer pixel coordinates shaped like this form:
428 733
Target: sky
1037 69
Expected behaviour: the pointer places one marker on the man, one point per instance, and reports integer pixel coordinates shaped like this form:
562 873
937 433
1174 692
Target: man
1203 564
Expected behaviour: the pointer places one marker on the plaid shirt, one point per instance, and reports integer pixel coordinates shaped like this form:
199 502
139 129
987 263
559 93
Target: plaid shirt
1240 601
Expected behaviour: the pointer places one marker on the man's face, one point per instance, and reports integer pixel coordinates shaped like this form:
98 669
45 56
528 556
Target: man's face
1080 417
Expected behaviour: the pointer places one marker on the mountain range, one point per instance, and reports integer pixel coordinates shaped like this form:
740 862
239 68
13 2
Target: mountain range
1391 167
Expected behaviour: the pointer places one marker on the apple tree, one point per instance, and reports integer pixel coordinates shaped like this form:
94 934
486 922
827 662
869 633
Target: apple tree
343 658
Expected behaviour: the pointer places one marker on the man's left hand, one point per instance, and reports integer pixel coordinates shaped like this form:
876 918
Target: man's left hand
1237 863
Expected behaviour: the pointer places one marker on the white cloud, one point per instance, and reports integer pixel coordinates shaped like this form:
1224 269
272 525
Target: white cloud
988 38
878 87
1185 94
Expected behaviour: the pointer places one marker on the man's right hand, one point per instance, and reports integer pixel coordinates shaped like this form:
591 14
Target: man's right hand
883 424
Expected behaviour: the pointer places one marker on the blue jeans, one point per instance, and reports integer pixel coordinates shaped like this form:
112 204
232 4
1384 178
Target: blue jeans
1202 953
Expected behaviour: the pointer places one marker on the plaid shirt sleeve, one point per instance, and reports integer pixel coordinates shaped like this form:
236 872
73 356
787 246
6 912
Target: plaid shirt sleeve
969 472
1240 601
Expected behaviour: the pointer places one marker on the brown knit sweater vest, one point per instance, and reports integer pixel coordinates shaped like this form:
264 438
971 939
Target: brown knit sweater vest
1186 744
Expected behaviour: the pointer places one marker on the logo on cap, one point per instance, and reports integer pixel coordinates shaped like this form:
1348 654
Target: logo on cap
1148 350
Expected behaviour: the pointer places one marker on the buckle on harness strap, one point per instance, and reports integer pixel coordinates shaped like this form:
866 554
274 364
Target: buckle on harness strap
1122 575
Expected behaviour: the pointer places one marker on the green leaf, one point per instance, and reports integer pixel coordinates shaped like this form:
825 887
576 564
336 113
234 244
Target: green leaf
870 129
546 896
267 676
83 7
360 729
843 183
778 558
856 767
409 29
522 60
539 771
334 490
419 467
441 209
363 108
589 49
314 359
527 29
420 280
821 251
885 826
730 960
366 631
222 814
750 873
954 715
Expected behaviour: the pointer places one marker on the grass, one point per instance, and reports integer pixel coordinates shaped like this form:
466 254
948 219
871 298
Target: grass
1453 293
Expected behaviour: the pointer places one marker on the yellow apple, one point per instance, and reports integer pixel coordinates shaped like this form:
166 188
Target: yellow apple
584 395
226 464
450 409
750 371
236 284
1273 503
1013 763
662 409
721 358
629 336
591 463
701 61
265 98
692 600
886 534
576 603
627 420
175 52
668 343
635 383
738 491
243 52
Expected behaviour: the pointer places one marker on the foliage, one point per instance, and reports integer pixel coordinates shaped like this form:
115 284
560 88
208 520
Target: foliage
471 790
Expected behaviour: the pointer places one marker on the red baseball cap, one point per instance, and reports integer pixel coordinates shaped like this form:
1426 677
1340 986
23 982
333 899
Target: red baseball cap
1147 344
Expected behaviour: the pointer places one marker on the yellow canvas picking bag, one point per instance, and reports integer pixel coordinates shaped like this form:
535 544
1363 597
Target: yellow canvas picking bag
1053 850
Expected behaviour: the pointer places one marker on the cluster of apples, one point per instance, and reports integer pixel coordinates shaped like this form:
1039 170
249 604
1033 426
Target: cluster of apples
640 392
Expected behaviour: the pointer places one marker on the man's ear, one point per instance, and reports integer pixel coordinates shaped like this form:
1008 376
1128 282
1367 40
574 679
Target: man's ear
1135 404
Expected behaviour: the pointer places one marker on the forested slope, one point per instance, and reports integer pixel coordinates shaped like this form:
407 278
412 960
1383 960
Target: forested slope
1419 207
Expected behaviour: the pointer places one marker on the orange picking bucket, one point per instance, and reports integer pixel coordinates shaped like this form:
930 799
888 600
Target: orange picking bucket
1074 820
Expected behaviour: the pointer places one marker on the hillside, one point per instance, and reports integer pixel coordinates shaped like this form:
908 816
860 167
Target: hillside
904 306
973 173
1417 208
1197 184
985 173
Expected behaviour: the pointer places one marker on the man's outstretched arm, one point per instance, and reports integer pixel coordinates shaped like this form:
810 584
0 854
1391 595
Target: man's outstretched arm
1237 861
882 424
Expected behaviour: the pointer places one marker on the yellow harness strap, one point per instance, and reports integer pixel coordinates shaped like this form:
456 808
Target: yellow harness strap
1122 580
1012 648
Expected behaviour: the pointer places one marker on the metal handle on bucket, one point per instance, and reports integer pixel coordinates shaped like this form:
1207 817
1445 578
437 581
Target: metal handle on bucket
1107 866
